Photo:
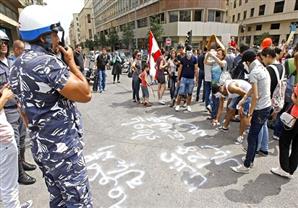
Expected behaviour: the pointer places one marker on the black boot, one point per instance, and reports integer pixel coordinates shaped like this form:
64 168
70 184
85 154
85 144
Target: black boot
24 178
27 166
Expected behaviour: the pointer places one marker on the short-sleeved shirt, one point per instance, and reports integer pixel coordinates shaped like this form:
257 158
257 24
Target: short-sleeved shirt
54 121
143 76
291 68
188 67
273 77
259 75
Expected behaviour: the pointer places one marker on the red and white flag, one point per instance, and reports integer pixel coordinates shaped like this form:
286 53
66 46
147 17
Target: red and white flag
153 54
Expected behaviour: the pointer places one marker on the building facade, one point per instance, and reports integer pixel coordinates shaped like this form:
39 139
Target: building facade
86 22
74 30
203 17
256 17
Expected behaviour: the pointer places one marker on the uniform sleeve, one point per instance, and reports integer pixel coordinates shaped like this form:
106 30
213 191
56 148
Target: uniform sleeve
57 74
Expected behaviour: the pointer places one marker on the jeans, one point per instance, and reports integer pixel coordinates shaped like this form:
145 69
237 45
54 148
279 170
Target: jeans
172 82
263 138
186 87
207 93
259 117
288 162
214 106
201 82
102 80
136 88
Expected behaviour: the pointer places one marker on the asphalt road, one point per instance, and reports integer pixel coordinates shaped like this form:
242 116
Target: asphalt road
155 157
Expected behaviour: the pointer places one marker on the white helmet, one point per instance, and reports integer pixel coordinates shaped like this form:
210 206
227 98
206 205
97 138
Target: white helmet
36 20
3 36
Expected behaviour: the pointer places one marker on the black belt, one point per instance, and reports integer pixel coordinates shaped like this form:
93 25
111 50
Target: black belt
11 107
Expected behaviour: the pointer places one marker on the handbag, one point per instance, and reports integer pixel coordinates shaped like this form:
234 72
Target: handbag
288 120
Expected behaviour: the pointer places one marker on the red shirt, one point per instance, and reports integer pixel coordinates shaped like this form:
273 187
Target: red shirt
294 111
143 78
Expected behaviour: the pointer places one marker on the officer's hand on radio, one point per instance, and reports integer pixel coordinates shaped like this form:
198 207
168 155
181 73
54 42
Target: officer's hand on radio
68 55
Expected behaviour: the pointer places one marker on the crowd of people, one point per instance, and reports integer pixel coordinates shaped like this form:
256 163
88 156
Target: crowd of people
255 84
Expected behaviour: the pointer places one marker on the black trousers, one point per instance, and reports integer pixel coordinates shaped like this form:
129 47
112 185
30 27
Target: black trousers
289 161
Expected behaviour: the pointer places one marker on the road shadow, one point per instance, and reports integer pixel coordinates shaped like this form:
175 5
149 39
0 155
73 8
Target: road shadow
255 191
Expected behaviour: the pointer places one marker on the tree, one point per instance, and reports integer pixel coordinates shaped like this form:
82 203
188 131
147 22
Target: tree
113 38
128 36
89 44
258 40
156 28
96 41
102 39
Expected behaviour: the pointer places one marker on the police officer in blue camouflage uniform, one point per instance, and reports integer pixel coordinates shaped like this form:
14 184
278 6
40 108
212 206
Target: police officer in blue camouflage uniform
47 88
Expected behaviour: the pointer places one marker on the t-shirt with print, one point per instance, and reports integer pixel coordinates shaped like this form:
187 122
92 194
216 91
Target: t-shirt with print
188 67
54 122
259 75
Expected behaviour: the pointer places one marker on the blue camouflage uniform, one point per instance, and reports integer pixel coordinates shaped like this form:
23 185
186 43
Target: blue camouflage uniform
54 126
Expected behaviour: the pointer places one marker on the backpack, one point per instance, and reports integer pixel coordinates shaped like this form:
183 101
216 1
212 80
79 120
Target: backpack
278 96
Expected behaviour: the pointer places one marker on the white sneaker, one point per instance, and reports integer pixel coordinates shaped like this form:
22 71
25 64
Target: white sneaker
281 172
161 102
177 108
209 108
275 138
188 108
241 169
251 164
27 204
184 105
239 140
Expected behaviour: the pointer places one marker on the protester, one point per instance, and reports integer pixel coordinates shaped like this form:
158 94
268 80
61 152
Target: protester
102 62
14 117
188 71
136 68
17 48
161 67
116 67
201 82
78 57
260 105
238 71
47 103
173 64
145 84
288 144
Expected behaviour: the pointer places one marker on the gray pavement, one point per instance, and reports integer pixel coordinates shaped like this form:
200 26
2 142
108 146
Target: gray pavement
156 157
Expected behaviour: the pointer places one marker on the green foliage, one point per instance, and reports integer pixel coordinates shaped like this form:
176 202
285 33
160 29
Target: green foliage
102 40
89 44
258 40
156 29
113 38
128 36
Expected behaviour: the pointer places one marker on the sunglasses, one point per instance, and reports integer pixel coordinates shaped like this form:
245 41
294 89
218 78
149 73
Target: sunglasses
3 42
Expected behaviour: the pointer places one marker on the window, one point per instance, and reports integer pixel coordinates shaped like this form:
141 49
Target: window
215 16
275 26
132 25
173 16
262 10
234 4
185 16
246 1
142 23
197 17
160 18
233 18
90 34
252 11
89 18
296 5
238 17
240 2
249 29
279 6
258 27
244 15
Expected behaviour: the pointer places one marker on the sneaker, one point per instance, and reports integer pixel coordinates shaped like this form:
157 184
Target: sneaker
262 153
251 164
241 169
209 109
275 138
188 108
185 105
281 173
239 140
177 108
222 128
27 204
161 102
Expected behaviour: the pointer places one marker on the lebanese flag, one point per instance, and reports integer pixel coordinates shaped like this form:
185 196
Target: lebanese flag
153 54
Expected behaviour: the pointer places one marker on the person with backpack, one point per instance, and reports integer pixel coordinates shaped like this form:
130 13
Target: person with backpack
277 74
238 71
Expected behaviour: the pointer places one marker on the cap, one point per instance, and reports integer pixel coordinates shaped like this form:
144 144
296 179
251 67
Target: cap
267 42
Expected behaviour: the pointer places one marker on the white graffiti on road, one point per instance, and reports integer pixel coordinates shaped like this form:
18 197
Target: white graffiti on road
191 161
97 164
153 128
